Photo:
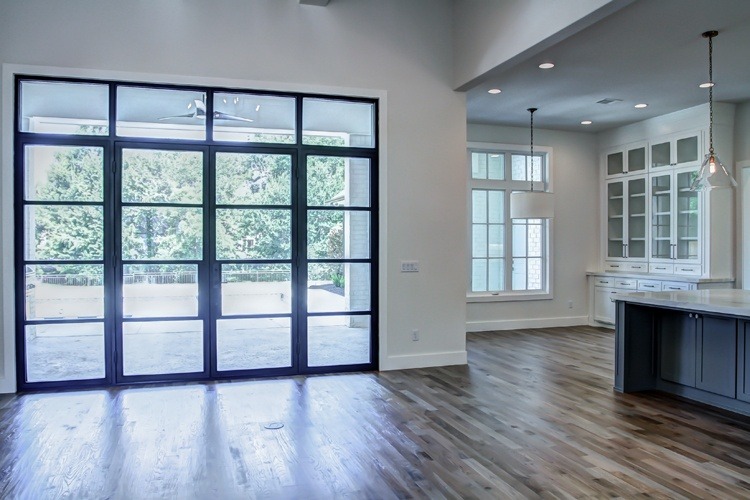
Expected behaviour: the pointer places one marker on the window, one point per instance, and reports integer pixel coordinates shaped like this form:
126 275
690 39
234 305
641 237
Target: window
509 257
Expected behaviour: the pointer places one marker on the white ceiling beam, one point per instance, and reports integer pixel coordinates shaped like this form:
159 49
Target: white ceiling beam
321 3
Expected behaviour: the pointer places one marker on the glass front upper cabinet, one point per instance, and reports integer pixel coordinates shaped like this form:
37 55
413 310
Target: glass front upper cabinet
636 229
680 150
615 227
688 213
661 216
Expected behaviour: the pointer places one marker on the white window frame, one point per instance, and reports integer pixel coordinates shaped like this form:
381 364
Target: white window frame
509 186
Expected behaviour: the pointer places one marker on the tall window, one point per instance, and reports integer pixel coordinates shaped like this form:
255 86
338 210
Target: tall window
509 257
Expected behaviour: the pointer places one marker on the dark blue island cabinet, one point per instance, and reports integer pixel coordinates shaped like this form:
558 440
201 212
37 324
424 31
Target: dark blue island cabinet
693 344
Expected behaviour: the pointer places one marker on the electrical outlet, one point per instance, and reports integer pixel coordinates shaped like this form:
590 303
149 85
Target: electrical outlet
570 304
415 335
409 266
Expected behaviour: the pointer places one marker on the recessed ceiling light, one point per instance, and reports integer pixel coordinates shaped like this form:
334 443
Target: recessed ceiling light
706 85
494 91
547 65
641 105
586 122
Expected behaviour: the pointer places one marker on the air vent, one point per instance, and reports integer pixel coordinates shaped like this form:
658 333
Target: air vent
608 100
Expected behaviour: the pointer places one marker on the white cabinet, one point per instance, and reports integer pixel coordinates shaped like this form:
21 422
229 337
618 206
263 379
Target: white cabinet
675 223
678 150
626 219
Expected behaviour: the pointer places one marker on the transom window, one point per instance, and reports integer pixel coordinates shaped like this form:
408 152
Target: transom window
509 257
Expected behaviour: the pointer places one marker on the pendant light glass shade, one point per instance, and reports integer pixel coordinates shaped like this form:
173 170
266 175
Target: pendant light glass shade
532 204
712 174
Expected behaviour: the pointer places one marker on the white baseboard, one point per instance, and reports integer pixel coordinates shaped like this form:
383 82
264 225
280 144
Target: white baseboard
423 360
517 324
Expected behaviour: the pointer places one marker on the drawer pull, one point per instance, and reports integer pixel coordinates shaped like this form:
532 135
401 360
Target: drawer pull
614 265
673 288
657 267
685 269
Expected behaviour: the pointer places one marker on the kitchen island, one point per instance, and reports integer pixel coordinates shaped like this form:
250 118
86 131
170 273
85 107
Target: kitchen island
695 344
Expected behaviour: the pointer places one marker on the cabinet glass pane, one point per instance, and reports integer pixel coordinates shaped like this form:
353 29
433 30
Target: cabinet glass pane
636 218
661 217
615 163
687 217
253 118
615 206
660 154
636 159
687 149
64 108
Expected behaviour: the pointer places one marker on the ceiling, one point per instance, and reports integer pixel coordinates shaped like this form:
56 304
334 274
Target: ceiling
650 51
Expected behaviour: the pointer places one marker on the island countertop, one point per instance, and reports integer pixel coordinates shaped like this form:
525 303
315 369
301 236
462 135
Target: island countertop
731 302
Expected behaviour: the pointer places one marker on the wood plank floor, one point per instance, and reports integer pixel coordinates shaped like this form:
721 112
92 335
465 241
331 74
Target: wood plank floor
533 415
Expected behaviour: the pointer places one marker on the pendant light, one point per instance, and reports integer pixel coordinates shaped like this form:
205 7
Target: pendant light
532 204
712 174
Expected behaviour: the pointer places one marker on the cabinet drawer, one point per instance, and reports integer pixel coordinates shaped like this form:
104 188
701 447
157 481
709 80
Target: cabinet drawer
636 267
609 282
614 266
661 268
670 286
649 286
626 283
687 269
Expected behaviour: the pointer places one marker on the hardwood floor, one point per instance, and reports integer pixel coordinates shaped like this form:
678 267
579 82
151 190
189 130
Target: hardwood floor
533 415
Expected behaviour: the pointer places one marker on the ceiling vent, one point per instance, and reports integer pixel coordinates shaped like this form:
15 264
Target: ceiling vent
608 100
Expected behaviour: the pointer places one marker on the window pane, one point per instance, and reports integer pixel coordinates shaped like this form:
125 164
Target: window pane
479 240
534 274
256 289
521 167
153 176
155 233
518 277
496 272
253 234
70 351
161 113
162 347
338 181
495 166
534 242
64 291
338 287
253 179
338 234
328 122
251 344
63 232
478 206
64 108
338 340
478 165
479 275
254 118
496 237
519 240
155 290
63 173
496 209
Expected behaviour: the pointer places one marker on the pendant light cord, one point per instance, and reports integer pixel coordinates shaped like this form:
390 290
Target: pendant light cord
531 110
711 95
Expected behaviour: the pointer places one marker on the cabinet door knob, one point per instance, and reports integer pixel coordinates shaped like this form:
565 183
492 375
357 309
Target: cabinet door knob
690 315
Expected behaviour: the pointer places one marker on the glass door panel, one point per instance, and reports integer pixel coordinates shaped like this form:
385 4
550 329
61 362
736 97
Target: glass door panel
161 241
338 340
637 218
637 159
688 237
661 154
661 217
62 264
253 272
615 163
687 150
615 212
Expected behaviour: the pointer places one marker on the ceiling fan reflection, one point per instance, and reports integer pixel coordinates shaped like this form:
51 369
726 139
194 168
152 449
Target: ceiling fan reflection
197 110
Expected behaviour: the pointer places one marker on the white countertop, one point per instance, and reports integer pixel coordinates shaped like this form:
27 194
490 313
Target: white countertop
732 302
660 277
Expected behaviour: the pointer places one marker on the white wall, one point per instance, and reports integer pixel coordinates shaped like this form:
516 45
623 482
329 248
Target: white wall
398 51
742 158
493 33
575 231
